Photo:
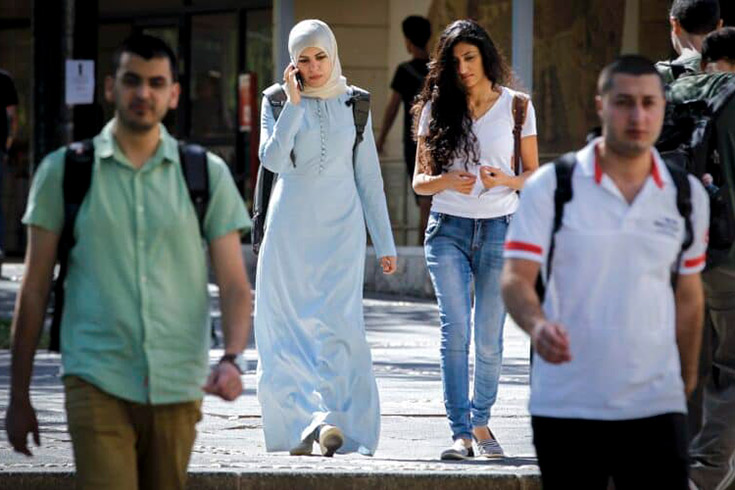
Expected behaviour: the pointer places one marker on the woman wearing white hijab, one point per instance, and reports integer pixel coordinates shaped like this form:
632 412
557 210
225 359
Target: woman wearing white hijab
315 380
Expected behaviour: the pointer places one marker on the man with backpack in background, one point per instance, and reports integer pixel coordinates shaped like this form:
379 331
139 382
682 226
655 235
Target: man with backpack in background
135 331
691 21
408 80
701 122
617 336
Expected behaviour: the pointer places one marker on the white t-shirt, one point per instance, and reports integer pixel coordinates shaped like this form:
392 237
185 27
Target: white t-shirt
494 132
610 288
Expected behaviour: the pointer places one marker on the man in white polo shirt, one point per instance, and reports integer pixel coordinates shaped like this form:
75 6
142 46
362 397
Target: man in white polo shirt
617 347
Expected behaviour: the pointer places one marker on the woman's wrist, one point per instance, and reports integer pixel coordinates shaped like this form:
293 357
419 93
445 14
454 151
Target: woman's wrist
518 182
427 184
443 181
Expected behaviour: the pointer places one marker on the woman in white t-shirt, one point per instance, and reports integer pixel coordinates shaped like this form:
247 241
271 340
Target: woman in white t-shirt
465 142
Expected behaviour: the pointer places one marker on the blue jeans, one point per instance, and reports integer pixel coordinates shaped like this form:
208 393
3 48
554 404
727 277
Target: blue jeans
460 251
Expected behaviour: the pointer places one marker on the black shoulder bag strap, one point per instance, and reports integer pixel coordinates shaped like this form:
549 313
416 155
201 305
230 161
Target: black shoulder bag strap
360 102
564 168
78 165
276 96
684 206
196 174
677 70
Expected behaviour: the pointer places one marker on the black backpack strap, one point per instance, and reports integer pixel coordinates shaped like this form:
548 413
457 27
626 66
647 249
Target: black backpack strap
418 77
194 166
276 96
78 165
360 102
677 70
564 168
263 189
684 206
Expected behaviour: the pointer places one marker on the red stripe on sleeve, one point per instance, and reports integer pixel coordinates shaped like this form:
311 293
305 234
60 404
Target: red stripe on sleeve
696 261
525 247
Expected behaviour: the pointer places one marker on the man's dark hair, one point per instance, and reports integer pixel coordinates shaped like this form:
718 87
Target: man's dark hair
147 47
417 29
696 16
629 64
719 45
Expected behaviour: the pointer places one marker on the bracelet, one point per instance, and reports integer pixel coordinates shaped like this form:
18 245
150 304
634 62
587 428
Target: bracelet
232 359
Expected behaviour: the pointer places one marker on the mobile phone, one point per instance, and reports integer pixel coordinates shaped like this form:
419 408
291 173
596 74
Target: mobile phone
300 81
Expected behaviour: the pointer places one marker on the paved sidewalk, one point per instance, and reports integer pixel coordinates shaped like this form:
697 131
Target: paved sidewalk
229 451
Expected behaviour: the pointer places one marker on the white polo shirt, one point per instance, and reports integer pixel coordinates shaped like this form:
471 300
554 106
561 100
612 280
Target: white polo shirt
610 287
494 132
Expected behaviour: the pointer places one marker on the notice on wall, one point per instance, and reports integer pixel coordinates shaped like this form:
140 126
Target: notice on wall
79 82
245 85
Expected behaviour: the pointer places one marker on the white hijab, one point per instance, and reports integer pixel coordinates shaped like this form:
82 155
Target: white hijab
314 33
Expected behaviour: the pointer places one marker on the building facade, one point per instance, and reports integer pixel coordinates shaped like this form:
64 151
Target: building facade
556 47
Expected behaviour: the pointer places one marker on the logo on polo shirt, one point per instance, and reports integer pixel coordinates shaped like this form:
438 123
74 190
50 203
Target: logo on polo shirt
667 226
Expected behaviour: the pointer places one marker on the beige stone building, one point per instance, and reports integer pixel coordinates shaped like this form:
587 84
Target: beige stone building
556 47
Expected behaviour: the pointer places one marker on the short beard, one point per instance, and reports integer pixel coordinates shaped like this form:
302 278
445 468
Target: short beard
624 149
134 126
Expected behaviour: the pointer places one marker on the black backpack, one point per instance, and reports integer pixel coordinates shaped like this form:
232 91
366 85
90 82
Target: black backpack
688 141
276 95
564 168
78 165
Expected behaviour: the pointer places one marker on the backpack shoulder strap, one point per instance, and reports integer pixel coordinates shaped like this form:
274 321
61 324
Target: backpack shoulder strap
684 206
520 108
677 70
564 169
196 174
277 97
78 165
413 72
360 102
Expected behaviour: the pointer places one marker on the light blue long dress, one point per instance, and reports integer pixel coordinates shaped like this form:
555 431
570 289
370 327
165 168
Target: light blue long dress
314 364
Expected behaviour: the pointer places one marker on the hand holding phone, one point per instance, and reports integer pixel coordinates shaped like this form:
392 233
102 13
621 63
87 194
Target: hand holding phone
300 81
293 83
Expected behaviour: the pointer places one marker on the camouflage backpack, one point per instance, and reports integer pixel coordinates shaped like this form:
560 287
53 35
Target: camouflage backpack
696 136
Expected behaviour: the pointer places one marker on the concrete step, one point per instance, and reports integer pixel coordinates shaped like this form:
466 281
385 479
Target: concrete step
307 480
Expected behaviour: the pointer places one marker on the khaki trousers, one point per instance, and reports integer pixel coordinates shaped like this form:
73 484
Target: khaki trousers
123 445
712 449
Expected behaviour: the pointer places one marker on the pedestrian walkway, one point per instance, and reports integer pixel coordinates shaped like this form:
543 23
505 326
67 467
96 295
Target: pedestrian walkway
229 451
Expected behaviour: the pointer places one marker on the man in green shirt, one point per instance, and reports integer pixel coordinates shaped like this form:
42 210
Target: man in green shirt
691 21
134 334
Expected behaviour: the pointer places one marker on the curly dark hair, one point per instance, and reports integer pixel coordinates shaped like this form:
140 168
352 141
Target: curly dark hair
450 131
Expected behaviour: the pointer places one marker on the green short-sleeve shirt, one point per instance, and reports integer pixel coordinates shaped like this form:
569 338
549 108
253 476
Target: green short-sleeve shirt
136 312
